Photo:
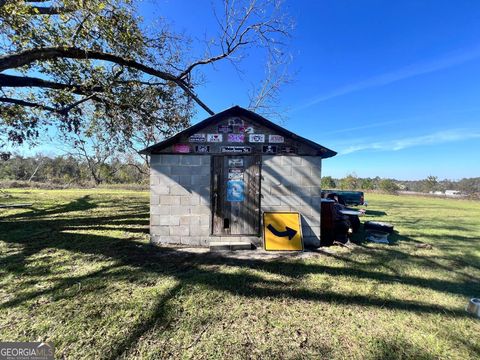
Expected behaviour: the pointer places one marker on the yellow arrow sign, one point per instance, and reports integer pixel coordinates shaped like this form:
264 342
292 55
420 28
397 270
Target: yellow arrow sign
282 231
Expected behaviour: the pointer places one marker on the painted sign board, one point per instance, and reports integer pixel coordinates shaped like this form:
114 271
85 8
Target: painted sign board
235 122
202 148
276 139
239 138
288 150
282 231
181 148
215 138
256 138
235 190
198 138
235 163
235 174
269 149
225 129
236 149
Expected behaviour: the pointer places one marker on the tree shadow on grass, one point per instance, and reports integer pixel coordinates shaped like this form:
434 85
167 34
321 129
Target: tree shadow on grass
456 262
81 204
136 260
397 348
146 257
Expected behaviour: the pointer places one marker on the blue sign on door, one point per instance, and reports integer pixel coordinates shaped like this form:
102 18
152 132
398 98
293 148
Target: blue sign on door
235 190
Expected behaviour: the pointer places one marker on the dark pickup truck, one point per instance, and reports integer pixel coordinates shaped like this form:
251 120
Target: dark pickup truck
348 197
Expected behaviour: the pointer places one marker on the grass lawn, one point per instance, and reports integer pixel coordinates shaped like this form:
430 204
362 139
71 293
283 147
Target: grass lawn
77 270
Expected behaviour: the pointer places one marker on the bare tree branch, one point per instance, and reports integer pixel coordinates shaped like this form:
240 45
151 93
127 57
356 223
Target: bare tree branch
25 81
265 94
142 170
66 109
27 104
241 29
27 57
13 61
62 111
43 10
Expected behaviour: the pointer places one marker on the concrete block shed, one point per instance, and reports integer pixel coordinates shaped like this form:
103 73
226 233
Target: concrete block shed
212 182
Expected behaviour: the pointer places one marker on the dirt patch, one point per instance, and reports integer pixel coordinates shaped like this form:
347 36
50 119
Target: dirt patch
257 254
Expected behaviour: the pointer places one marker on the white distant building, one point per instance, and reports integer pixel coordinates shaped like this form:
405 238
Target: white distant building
453 193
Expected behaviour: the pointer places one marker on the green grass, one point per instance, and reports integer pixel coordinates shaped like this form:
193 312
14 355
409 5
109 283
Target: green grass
77 270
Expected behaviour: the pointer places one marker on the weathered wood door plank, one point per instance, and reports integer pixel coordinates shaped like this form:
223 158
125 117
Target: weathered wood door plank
236 217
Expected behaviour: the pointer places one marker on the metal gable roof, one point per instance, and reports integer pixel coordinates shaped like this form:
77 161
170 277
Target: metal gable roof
238 111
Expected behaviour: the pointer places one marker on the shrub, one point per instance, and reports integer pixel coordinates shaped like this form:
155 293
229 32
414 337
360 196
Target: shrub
388 186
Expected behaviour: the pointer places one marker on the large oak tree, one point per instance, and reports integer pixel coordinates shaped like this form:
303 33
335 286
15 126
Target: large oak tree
74 64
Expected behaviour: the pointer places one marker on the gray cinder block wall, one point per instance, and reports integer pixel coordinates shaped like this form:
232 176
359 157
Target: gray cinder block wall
180 199
180 211
293 183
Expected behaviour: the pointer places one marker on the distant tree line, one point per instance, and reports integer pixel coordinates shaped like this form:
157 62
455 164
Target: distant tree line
68 170
467 186
98 165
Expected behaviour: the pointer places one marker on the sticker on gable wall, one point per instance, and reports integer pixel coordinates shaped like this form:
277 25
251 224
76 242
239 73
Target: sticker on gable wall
198 138
225 129
216 138
276 139
235 122
181 148
202 149
249 130
236 149
235 174
288 150
240 138
235 163
235 190
269 149
256 138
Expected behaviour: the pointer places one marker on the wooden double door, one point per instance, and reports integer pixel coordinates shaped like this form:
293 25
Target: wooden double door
236 195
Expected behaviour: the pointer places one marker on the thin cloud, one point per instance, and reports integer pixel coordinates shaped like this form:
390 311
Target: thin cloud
429 139
404 120
447 61
362 127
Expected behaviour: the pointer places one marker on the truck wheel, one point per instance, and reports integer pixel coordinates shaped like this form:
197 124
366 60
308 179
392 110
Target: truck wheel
378 226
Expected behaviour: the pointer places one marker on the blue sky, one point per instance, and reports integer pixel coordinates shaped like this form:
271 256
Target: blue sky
392 86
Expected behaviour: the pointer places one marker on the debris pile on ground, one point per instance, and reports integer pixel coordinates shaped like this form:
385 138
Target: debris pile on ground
377 237
378 232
